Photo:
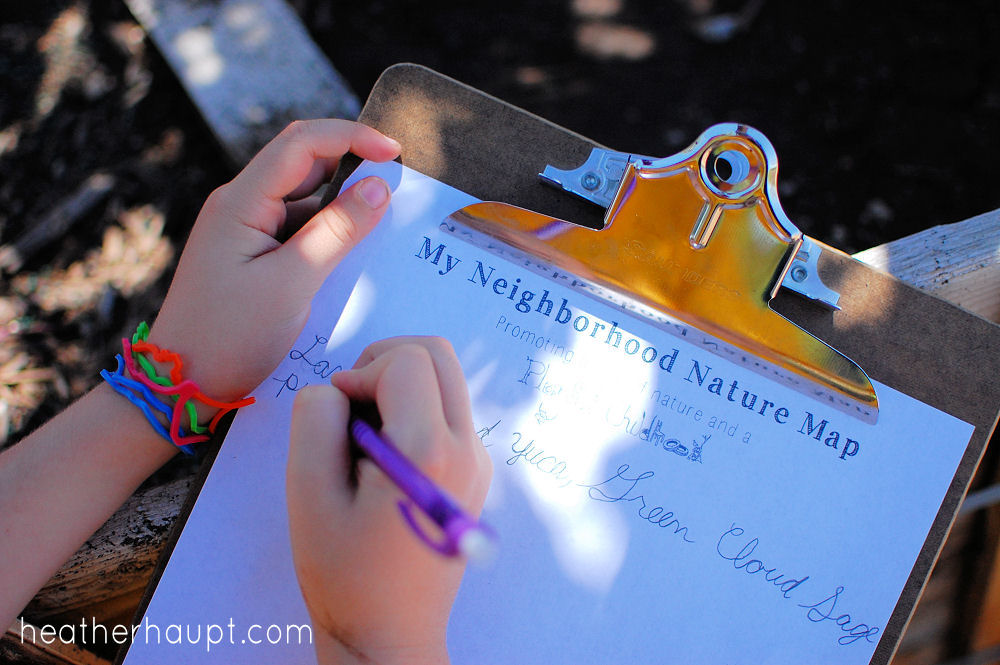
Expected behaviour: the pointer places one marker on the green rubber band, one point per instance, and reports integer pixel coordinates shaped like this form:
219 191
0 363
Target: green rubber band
141 334
165 381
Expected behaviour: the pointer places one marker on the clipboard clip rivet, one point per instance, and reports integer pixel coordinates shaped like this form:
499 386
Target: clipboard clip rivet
590 181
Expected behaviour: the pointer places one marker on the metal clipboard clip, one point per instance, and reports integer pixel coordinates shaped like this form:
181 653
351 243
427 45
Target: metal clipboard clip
701 238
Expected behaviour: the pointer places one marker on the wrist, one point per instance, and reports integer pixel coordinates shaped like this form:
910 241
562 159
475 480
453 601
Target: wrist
164 379
164 362
204 412
148 450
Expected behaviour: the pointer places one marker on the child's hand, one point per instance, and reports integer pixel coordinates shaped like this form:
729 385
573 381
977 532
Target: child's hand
239 297
375 592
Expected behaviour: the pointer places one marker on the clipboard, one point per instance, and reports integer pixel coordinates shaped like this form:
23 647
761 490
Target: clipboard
495 151
899 335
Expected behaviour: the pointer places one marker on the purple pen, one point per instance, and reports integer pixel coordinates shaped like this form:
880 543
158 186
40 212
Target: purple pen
463 534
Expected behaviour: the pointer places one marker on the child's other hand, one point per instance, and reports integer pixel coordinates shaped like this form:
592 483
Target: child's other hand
373 589
239 297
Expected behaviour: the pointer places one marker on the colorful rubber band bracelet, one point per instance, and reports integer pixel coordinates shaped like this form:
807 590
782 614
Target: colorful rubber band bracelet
185 390
143 398
141 335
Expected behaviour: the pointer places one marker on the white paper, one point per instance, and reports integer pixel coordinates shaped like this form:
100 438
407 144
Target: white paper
643 517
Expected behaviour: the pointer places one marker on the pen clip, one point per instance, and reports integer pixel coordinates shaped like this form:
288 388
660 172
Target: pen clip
448 546
463 534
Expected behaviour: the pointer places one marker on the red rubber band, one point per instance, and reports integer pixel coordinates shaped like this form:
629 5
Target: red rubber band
176 366
163 356
185 390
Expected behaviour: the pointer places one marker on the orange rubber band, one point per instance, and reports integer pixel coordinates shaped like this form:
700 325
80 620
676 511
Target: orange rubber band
177 365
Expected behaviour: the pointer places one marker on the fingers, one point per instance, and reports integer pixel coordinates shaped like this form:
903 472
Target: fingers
418 386
366 578
401 378
288 168
284 164
403 384
321 172
315 249
450 378
319 463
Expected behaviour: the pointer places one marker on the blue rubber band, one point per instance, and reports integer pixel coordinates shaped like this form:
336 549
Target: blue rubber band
128 387
123 385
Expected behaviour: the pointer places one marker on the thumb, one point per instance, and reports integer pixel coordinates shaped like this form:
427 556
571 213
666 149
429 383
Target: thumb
332 232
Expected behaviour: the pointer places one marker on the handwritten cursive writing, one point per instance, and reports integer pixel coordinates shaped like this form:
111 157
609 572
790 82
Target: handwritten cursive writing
741 561
319 367
536 457
291 382
825 610
622 487
484 432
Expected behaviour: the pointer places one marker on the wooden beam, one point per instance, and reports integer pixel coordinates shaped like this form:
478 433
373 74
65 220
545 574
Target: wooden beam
957 262
986 633
250 67
116 561
24 644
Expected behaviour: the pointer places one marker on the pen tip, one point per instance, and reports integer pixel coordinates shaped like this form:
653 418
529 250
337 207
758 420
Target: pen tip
477 546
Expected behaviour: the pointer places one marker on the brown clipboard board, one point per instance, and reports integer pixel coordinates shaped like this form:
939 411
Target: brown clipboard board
921 345
918 344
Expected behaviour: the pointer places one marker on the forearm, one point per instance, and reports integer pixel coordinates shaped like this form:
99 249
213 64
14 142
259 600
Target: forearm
61 483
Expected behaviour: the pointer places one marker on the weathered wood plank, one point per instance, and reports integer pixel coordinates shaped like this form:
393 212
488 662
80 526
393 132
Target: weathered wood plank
957 262
925 640
987 630
23 644
116 561
989 633
250 67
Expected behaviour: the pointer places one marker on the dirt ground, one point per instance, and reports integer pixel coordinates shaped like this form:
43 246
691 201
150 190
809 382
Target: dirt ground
884 117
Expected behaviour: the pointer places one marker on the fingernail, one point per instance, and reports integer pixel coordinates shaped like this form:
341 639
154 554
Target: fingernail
374 191
395 143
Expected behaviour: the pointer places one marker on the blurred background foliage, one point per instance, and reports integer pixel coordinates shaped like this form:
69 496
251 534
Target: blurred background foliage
884 116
